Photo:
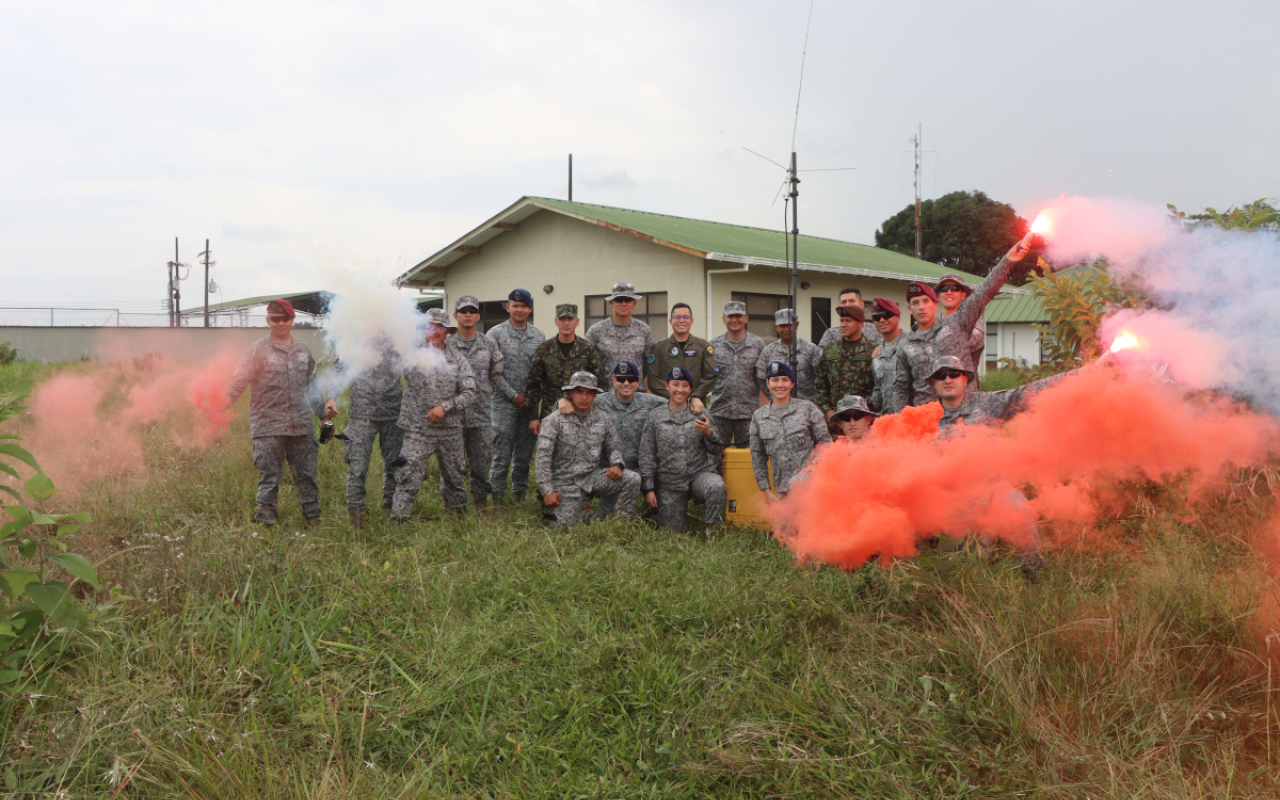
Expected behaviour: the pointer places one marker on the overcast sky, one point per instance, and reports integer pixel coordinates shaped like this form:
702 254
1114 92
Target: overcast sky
302 137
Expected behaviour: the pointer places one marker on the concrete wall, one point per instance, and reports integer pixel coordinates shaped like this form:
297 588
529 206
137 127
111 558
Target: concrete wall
578 259
113 344
1016 340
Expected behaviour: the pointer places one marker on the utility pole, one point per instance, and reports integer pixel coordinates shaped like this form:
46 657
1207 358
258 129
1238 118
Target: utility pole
916 140
571 177
794 194
207 264
175 291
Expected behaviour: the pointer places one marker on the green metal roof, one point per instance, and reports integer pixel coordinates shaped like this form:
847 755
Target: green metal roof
706 237
307 302
1015 308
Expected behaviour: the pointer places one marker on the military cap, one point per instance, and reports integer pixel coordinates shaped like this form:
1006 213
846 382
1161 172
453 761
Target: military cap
626 369
949 362
954 280
852 311
735 307
785 316
680 374
521 296
436 316
566 310
623 291
583 380
778 369
466 301
885 306
918 289
851 405
281 306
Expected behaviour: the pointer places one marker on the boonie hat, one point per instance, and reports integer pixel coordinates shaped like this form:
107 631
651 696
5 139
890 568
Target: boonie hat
785 316
885 306
954 280
583 380
626 369
735 307
281 306
852 311
623 290
917 289
949 362
521 296
853 404
466 301
680 374
436 316
566 310
779 369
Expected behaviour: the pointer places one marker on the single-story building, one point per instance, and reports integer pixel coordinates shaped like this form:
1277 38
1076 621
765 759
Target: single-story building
1011 331
565 252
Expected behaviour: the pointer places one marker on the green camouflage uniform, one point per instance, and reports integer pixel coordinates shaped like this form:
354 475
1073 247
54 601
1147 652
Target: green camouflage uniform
695 355
550 370
845 369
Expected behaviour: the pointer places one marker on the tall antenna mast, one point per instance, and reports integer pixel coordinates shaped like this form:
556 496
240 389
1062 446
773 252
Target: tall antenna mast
571 177
794 179
916 140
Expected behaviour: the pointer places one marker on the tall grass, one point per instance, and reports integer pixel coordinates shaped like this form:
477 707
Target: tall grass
492 656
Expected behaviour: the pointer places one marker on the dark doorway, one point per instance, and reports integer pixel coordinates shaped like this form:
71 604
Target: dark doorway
820 317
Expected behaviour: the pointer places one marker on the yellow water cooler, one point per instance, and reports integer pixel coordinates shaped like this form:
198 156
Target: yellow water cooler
746 506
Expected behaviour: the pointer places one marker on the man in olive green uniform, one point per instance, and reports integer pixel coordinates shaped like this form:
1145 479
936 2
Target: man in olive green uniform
682 349
845 367
554 363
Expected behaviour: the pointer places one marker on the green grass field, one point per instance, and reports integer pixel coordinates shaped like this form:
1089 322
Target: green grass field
495 657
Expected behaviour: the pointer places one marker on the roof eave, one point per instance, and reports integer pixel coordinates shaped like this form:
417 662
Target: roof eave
859 271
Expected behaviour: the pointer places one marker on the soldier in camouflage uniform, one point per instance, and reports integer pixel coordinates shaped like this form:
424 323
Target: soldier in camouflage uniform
374 411
808 355
679 455
952 291
951 380
512 438
887 319
736 396
570 448
282 373
621 338
485 358
683 349
555 361
854 418
629 410
846 364
784 433
950 335
848 299
431 416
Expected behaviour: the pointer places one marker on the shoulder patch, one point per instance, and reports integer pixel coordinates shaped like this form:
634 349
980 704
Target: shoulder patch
649 359
711 350
674 351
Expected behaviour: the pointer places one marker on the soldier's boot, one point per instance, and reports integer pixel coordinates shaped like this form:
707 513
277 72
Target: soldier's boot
266 515
356 515
518 498
311 522
399 522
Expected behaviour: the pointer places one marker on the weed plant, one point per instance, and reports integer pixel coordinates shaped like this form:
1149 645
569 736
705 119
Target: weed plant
492 656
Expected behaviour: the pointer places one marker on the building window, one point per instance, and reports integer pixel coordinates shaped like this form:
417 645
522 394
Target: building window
651 309
819 317
761 308
493 312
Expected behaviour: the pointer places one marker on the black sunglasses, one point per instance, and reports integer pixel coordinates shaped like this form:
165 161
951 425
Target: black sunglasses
880 317
950 287
947 374
277 319
625 379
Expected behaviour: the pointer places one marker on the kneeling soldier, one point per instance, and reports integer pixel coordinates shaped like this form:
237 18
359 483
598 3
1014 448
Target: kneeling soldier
784 433
854 417
569 451
679 453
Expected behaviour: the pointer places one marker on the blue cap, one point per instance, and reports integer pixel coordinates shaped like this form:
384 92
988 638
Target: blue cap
680 374
627 369
521 296
778 369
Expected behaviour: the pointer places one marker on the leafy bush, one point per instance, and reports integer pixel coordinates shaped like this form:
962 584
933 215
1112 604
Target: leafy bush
40 612
8 353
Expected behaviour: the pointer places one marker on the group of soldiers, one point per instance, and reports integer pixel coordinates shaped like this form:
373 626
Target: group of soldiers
615 415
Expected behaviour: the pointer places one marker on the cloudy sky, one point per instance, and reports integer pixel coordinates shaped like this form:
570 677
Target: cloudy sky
303 138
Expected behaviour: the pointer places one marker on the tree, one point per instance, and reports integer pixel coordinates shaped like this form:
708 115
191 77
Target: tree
966 231
1256 216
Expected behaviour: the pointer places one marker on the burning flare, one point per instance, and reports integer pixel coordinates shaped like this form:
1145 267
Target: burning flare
1041 225
1123 341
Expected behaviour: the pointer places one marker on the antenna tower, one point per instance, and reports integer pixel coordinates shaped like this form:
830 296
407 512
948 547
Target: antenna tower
916 141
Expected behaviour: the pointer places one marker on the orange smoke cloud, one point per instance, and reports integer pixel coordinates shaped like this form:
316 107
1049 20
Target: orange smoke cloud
1077 438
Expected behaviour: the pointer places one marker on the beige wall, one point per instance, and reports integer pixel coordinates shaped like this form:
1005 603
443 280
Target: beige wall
578 259
113 344
1016 340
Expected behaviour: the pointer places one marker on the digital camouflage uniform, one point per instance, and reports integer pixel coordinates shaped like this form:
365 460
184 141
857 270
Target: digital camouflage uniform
551 370
994 408
570 449
869 332
281 405
676 463
628 420
784 438
452 386
374 411
631 342
950 335
808 355
696 355
845 369
512 439
736 396
884 366
485 358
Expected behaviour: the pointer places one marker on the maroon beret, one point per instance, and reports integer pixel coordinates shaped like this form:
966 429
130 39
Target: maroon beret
886 306
281 306
917 289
